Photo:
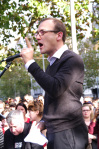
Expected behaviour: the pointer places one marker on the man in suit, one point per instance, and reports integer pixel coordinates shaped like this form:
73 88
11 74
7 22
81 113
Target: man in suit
63 85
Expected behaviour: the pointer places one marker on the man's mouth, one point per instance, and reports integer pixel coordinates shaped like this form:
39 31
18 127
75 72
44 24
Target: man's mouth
40 45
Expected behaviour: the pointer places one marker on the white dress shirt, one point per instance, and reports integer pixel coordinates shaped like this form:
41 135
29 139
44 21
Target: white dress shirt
57 54
51 59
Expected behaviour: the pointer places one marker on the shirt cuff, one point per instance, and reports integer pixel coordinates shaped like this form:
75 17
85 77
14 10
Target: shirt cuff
29 63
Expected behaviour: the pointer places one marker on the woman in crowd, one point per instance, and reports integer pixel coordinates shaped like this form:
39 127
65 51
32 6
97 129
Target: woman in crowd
94 126
88 116
35 110
21 106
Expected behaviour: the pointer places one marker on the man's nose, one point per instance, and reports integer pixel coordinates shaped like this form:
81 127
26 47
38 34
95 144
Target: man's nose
12 130
38 37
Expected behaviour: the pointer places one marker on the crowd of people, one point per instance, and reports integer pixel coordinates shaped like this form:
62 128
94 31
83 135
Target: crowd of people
31 111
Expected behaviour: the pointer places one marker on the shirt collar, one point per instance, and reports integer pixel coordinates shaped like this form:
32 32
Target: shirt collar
57 54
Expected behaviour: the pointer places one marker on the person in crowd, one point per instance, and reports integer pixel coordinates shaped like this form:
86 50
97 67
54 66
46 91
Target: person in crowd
88 115
95 103
36 110
12 105
17 99
87 99
10 100
1 139
28 98
24 101
2 106
18 130
7 105
4 122
63 85
3 128
91 104
21 106
41 97
94 126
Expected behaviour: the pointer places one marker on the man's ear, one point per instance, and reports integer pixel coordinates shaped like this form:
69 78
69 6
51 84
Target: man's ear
59 36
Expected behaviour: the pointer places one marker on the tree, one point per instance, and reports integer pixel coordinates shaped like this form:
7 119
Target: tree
95 21
20 19
90 57
16 81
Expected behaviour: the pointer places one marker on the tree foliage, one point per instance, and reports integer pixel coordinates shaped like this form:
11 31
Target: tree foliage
90 55
15 82
21 18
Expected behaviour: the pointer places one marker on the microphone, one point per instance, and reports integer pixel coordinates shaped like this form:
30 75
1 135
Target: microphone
11 58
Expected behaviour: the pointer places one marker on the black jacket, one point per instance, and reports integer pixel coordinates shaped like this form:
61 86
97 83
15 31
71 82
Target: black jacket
17 142
63 85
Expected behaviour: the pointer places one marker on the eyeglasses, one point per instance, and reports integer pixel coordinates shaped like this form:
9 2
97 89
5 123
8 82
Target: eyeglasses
42 32
85 110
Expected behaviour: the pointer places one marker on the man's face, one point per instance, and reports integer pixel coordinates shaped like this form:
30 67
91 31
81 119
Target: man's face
48 41
16 127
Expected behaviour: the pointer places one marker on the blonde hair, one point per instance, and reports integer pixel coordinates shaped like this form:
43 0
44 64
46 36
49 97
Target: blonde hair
90 107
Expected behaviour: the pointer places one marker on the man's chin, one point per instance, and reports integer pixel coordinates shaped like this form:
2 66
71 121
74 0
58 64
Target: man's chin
15 134
42 51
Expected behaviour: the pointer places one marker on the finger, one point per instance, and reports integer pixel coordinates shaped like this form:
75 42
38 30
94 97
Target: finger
28 43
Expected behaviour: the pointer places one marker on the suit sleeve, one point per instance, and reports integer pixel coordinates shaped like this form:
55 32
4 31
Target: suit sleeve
69 70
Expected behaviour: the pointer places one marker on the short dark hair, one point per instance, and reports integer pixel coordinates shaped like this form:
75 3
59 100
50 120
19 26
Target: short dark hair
59 26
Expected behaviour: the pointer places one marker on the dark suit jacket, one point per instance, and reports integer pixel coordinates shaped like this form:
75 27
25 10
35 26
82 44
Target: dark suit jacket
63 84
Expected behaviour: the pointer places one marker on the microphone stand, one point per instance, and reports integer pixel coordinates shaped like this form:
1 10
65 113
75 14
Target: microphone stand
6 67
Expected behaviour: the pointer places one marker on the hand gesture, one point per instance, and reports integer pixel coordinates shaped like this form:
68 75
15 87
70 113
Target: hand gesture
27 53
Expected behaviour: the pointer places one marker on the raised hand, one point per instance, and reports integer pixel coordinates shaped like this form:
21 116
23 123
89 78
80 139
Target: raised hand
27 53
